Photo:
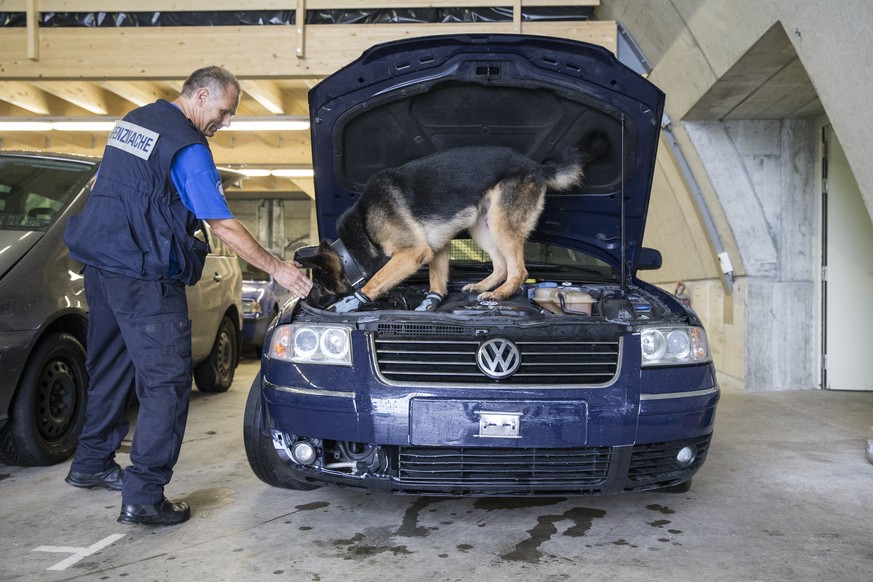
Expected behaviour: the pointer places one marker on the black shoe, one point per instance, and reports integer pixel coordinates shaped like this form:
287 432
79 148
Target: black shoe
112 479
165 512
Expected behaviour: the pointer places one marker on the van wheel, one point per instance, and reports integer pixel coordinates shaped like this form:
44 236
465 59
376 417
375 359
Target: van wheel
48 409
263 459
215 373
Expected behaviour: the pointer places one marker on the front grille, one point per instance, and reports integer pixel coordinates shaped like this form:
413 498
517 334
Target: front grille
453 361
486 466
656 461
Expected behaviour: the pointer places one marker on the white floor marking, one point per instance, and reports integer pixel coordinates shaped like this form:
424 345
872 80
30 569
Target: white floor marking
78 553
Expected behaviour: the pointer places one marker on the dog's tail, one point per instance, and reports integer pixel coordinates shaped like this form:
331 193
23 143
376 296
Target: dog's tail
569 171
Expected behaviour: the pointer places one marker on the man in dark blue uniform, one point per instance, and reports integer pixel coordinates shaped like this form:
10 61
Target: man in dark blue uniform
135 237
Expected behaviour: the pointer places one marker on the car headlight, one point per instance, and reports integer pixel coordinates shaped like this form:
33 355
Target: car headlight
312 344
673 346
251 307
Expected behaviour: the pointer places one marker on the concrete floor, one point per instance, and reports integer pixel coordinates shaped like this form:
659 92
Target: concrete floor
786 494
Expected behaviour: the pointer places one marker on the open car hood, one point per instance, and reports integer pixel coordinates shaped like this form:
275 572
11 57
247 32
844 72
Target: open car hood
403 100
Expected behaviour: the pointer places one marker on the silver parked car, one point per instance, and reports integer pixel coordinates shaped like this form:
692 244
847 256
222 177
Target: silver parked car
44 315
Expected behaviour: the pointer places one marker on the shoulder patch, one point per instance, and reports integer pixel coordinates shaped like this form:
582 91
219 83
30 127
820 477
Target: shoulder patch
133 139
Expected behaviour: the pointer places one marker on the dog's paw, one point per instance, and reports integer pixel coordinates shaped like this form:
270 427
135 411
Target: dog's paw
347 304
350 303
430 302
489 296
471 288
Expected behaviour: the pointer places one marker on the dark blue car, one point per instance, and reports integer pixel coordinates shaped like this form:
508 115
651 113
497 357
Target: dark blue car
262 297
586 381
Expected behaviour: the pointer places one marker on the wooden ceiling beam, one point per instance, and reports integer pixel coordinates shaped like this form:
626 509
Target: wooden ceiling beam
137 92
266 52
267 93
240 5
82 94
25 96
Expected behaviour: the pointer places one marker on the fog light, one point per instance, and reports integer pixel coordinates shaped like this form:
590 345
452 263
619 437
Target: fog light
686 456
303 453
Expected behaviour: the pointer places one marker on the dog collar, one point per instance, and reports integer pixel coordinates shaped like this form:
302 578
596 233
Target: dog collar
356 274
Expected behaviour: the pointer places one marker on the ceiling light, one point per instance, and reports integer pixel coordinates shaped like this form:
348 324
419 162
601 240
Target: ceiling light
105 124
288 172
101 126
277 123
254 172
23 126
293 172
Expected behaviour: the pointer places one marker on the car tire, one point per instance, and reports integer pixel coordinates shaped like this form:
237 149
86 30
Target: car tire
263 459
48 409
215 373
683 487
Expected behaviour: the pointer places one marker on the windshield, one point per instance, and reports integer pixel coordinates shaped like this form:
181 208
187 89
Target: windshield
33 191
543 261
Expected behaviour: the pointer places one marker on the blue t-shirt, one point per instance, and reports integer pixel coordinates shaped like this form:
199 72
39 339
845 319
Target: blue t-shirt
194 174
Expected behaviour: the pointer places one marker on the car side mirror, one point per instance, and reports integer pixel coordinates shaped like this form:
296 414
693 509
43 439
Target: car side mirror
650 259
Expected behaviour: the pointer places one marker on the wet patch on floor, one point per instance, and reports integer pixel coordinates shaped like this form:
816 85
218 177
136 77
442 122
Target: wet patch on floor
409 528
528 551
4 476
495 503
206 500
660 523
660 509
312 506
371 542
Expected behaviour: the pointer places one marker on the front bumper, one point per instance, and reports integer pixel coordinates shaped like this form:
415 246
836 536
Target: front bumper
593 453
502 471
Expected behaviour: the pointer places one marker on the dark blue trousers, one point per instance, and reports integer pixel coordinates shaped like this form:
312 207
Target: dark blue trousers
139 337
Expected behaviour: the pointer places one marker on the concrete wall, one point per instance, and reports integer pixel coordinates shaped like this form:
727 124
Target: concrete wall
756 176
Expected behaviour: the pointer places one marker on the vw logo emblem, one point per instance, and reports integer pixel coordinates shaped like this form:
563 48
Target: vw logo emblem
498 358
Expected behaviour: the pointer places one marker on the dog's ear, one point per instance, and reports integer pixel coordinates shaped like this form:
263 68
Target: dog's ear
307 256
321 257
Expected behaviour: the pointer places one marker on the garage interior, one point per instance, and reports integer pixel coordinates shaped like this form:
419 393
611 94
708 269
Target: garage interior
761 208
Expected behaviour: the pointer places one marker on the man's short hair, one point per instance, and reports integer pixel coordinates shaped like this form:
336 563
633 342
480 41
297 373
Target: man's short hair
212 77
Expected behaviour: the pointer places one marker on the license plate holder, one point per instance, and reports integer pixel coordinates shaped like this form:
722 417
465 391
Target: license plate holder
499 425
535 423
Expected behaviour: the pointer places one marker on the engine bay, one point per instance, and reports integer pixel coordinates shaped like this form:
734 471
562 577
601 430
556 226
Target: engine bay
539 300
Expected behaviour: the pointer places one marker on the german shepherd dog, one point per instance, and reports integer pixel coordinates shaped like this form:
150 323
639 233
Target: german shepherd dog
408 216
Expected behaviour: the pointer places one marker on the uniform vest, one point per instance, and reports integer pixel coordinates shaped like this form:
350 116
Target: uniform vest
134 222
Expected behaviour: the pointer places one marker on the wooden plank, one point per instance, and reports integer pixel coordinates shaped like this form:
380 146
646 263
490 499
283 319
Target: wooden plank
137 92
300 25
25 96
248 51
243 5
267 93
88 96
32 12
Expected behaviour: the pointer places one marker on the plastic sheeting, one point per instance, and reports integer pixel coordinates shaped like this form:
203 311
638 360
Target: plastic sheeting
287 17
